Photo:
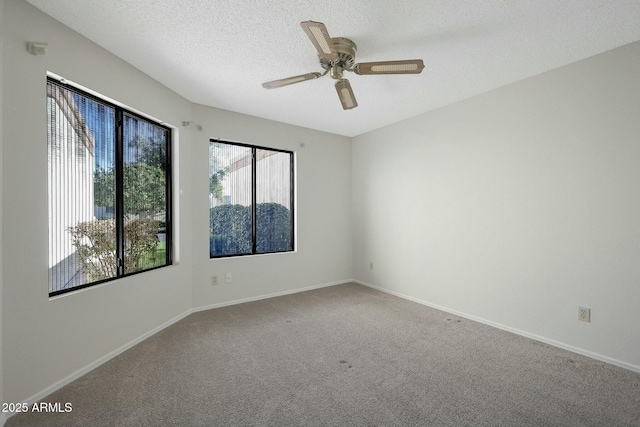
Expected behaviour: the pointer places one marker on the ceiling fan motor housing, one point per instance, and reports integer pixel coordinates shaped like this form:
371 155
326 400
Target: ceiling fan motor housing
346 53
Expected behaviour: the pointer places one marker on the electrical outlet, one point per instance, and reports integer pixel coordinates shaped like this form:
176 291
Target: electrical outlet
371 265
584 314
214 280
227 278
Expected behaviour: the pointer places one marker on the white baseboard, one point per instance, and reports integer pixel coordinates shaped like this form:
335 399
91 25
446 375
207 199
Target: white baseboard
545 340
91 366
265 296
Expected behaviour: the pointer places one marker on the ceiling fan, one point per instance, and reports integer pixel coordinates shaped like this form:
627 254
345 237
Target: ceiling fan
337 55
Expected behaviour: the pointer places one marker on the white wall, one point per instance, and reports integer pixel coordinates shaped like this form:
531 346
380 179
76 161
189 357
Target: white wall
516 206
47 340
323 211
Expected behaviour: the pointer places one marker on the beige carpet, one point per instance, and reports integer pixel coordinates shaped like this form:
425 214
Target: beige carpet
345 355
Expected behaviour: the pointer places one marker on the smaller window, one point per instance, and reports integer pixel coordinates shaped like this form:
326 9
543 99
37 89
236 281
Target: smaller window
250 200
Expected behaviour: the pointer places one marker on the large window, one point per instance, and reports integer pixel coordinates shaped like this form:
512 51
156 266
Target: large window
250 200
109 190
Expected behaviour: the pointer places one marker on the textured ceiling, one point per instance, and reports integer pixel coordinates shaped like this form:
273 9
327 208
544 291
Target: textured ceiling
218 53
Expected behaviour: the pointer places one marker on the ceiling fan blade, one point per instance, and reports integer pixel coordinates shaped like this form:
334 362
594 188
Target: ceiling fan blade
290 80
347 98
319 36
410 66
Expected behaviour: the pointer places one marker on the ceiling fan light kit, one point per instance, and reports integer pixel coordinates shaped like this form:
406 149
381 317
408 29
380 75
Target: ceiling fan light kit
337 55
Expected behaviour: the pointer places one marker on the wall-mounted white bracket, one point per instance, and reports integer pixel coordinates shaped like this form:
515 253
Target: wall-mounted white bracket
37 48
